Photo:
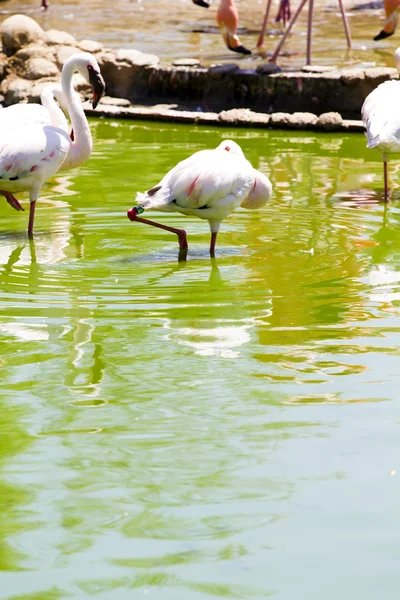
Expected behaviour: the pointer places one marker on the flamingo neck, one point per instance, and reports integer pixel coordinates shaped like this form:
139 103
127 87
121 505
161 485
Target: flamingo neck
81 146
56 114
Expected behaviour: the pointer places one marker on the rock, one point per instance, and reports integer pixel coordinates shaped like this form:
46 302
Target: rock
90 46
15 89
18 31
62 38
219 71
186 62
329 121
36 68
243 116
352 76
298 120
63 53
317 69
137 58
33 51
268 69
115 101
380 74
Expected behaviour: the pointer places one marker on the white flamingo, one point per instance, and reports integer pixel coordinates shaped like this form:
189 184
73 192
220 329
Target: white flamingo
46 113
210 184
31 155
381 117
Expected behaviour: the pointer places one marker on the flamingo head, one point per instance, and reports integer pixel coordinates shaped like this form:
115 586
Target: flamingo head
87 66
230 146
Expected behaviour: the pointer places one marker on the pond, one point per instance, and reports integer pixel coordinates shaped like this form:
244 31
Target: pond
212 429
190 31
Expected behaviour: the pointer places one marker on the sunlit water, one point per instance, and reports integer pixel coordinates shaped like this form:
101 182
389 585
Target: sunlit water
180 30
212 429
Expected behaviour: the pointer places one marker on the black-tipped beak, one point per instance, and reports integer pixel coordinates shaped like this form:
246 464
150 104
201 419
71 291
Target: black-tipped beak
98 86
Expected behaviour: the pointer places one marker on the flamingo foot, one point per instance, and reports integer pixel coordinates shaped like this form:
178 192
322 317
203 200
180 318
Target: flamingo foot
201 3
181 233
382 35
12 201
239 49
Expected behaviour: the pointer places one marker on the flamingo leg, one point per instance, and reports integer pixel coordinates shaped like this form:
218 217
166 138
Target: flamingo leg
212 244
260 40
288 30
12 200
31 217
309 30
345 24
385 180
181 233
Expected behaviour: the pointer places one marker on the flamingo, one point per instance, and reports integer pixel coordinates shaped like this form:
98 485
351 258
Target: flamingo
46 113
31 155
392 16
228 20
381 118
210 184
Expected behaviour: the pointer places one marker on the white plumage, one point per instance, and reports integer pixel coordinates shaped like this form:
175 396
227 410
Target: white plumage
210 185
29 155
381 117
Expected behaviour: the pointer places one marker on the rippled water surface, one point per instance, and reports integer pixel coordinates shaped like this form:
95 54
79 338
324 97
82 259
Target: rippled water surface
179 29
212 429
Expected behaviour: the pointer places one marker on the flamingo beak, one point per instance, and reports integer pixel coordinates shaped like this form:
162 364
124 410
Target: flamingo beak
98 86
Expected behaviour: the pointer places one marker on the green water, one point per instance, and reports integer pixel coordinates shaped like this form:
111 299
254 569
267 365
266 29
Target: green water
205 430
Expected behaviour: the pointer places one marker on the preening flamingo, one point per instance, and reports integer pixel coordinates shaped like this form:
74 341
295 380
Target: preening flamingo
210 184
392 16
46 113
381 117
31 155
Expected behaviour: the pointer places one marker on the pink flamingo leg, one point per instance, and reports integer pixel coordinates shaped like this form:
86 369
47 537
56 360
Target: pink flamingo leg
260 40
31 217
181 233
309 30
385 181
288 30
12 200
212 244
345 24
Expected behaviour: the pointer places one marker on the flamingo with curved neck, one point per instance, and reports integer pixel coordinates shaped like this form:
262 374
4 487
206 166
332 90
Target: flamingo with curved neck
31 155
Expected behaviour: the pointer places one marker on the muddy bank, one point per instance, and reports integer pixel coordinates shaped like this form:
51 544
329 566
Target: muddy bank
31 57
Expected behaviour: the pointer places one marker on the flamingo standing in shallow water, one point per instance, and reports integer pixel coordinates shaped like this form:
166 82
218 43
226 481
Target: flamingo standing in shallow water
31 155
381 117
210 184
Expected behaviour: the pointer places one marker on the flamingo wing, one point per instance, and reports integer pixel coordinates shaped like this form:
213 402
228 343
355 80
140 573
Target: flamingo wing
201 180
35 150
23 115
381 115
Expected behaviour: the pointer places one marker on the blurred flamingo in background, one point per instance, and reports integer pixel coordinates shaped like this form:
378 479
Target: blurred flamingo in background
228 21
284 14
392 17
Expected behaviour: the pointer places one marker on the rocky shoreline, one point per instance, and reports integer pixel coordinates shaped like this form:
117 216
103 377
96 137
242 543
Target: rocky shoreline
139 88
